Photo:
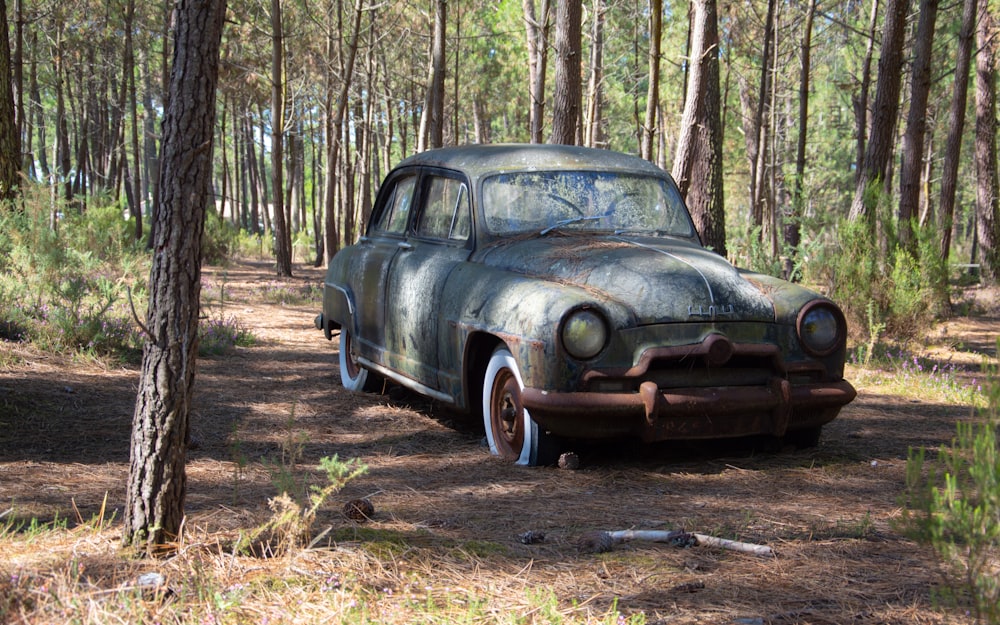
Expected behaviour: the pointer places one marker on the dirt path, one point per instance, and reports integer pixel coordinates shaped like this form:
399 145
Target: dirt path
828 511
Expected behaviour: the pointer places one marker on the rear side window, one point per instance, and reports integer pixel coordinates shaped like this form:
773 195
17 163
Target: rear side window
394 216
446 210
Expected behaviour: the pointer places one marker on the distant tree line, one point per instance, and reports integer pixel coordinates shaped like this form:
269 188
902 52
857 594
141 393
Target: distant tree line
778 119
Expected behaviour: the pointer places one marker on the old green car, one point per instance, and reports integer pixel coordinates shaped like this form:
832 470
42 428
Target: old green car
562 293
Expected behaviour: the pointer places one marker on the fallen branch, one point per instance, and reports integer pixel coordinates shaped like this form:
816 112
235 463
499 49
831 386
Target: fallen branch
602 542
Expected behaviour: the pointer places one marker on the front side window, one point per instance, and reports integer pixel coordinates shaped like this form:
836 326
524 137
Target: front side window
446 212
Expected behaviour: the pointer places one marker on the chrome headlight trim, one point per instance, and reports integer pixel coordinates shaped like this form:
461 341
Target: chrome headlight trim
821 327
584 333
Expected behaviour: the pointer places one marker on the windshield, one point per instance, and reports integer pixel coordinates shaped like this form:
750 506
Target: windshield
544 201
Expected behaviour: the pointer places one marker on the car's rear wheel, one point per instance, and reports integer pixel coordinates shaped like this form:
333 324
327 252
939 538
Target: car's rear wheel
352 375
511 432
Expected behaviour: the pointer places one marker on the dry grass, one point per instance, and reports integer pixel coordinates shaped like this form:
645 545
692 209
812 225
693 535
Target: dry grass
443 545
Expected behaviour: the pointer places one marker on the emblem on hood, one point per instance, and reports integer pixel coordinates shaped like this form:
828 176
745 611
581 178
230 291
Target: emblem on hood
713 312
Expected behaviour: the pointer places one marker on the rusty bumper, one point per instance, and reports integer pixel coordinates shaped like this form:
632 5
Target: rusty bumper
689 413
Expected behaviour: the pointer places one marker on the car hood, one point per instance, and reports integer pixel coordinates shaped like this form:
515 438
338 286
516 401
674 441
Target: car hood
661 280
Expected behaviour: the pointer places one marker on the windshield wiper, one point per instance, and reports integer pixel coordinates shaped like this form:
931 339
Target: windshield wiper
571 220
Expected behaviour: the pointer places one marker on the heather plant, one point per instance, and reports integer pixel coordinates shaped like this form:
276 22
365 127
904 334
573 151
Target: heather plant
220 334
66 278
953 505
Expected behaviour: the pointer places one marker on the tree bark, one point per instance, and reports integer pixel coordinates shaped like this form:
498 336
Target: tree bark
593 132
649 130
987 185
432 120
860 100
882 139
566 100
10 138
916 125
157 480
698 161
956 124
282 235
792 222
335 131
758 137
538 35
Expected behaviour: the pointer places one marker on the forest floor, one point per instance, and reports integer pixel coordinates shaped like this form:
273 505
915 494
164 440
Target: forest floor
443 541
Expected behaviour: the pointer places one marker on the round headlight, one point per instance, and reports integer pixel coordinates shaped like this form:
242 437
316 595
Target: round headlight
821 329
584 333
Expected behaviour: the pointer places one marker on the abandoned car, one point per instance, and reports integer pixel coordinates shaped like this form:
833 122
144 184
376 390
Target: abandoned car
562 292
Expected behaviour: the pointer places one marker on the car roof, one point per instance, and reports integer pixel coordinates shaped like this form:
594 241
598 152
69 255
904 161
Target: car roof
481 160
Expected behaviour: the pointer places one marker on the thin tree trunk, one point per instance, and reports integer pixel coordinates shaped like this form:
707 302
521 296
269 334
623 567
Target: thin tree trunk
432 120
282 236
10 138
916 125
593 135
987 185
335 132
882 139
861 99
757 136
649 129
538 35
157 481
956 124
793 220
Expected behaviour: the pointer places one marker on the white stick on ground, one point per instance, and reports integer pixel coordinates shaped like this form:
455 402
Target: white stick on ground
601 542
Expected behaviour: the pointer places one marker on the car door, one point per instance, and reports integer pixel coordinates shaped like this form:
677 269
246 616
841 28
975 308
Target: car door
439 240
370 267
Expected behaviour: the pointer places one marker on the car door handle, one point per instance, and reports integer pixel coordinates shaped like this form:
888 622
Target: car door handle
403 245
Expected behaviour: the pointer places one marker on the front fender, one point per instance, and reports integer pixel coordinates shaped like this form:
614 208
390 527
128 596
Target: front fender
525 313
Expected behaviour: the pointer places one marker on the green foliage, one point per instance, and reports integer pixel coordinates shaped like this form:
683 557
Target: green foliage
953 505
66 287
295 508
219 241
884 288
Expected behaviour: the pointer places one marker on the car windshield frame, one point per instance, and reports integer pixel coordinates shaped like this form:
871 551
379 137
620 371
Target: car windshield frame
583 201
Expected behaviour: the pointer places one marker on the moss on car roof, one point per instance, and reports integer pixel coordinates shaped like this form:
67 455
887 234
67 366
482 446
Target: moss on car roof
478 161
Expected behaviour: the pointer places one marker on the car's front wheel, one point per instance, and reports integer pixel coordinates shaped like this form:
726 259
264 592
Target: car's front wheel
511 432
352 375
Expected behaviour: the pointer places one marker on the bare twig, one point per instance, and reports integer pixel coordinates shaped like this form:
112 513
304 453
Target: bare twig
135 316
601 542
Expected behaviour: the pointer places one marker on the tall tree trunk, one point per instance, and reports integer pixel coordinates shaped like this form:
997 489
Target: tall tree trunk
432 120
17 78
10 138
538 36
956 124
62 125
133 180
698 161
882 140
793 219
987 185
282 235
157 480
593 134
916 125
566 101
649 130
335 131
758 137
860 99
